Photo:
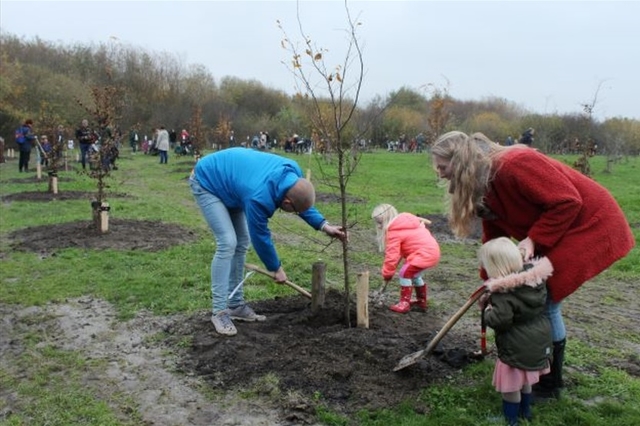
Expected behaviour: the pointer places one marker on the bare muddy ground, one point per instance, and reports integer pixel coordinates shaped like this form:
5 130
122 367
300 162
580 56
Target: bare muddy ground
290 364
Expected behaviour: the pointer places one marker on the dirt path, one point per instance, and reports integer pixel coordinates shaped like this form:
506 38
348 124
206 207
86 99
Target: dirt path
132 363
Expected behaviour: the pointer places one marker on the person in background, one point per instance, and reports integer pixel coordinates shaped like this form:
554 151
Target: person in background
238 190
551 209
514 309
163 144
107 144
86 137
173 139
232 139
267 139
59 145
2 147
255 142
145 145
527 137
184 137
45 155
133 140
288 145
25 139
263 141
403 236
153 142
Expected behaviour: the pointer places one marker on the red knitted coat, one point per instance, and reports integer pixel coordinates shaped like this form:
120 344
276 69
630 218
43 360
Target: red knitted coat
573 220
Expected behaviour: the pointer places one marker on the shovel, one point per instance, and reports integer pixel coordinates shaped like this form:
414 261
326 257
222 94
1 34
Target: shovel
258 269
483 334
240 283
411 359
378 295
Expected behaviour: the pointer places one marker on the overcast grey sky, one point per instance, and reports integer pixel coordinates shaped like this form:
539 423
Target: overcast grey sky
547 56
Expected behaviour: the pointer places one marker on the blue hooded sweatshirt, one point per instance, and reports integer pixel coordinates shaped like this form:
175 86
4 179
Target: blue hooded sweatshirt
255 182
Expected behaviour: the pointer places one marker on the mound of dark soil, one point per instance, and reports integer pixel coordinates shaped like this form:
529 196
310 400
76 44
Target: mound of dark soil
46 196
123 234
300 359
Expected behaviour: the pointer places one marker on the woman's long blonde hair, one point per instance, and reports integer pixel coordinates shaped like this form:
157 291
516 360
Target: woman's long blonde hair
382 215
471 159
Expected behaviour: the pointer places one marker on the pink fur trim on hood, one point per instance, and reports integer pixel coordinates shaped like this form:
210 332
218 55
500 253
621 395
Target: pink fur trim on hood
541 270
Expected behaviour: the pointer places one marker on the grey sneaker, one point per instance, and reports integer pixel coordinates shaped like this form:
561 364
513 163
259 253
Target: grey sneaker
245 313
223 324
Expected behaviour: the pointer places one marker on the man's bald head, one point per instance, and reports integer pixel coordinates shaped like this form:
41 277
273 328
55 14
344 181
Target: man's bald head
302 194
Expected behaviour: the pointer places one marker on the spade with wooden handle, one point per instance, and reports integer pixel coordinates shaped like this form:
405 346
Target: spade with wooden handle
258 269
483 333
411 359
240 284
379 295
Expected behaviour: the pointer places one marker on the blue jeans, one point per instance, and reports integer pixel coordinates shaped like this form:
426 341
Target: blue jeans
164 157
84 153
229 227
553 311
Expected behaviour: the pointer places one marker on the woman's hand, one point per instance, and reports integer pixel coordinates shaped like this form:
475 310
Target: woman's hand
527 248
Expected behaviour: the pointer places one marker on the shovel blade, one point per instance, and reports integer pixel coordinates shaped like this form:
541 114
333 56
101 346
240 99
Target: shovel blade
408 360
414 357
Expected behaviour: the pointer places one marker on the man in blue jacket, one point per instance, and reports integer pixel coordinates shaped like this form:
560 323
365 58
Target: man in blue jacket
25 139
238 190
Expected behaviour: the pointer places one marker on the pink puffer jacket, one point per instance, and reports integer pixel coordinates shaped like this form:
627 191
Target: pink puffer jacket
408 238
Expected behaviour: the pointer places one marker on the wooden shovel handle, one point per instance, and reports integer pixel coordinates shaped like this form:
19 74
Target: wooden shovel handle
258 269
454 319
411 359
483 333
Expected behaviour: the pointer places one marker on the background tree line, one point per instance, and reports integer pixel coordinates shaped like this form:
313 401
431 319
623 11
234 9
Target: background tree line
40 78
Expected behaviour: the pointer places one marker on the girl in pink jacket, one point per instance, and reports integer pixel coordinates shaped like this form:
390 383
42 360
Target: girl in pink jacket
405 236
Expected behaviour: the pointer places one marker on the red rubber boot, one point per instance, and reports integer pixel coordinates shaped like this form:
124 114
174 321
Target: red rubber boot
421 296
404 305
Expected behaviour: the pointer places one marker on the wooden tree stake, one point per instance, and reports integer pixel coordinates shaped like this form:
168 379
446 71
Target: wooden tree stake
318 286
362 292
104 217
53 183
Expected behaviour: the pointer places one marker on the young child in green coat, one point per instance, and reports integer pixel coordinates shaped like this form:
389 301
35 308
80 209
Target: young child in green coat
514 309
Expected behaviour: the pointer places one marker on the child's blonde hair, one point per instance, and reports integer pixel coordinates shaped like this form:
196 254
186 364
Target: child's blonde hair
383 214
500 257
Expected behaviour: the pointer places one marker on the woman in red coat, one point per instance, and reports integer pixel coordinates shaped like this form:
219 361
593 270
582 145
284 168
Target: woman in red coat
550 208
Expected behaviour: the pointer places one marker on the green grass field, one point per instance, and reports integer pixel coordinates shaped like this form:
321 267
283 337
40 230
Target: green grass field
176 280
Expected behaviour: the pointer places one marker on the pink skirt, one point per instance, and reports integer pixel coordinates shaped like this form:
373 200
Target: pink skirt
511 379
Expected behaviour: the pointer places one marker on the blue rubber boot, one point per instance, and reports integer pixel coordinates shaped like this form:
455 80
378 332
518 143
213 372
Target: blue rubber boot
511 411
525 406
